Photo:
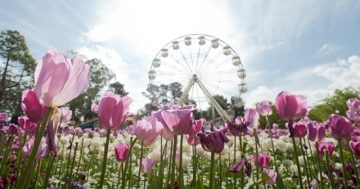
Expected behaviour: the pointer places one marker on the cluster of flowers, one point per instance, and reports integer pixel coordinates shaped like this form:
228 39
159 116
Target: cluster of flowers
44 150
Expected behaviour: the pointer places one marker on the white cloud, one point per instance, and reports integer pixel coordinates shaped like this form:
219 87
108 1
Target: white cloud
327 49
314 82
109 57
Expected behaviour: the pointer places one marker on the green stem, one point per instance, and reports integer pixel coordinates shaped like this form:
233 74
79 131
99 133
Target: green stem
180 163
329 170
141 156
194 166
242 173
4 160
320 170
103 170
170 161
127 164
161 174
305 162
355 167
220 172
234 160
343 164
211 179
257 159
25 176
296 157
48 172
173 160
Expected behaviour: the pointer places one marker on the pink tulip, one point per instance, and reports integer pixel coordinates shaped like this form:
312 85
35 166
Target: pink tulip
264 108
146 165
263 159
94 107
29 145
51 130
176 119
252 117
32 107
213 141
112 110
3 116
291 107
340 127
59 80
316 131
300 129
28 126
197 125
122 152
192 139
325 146
355 145
271 176
353 104
147 130
65 114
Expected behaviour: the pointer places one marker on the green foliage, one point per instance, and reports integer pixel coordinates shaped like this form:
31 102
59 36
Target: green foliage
100 76
333 104
118 88
16 69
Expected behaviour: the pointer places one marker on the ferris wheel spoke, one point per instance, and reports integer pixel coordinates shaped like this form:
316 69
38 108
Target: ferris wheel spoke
205 58
186 61
178 62
197 59
211 61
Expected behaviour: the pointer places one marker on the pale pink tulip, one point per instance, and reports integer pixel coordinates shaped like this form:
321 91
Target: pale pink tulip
59 80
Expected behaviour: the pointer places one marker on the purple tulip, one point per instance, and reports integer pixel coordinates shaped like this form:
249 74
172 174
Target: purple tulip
353 116
264 108
325 146
353 104
59 80
270 176
291 107
300 129
316 131
147 130
3 116
340 127
32 107
11 129
212 141
355 145
112 110
122 152
252 117
238 126
28 126
236 168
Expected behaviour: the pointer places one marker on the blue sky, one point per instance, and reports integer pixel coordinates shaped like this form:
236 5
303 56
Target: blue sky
305 47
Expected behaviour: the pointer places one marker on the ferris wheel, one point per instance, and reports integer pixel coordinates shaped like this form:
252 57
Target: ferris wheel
206 66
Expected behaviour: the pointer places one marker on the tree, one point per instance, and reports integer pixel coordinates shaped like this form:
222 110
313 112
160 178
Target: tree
118 88
100 76
17 68
333 104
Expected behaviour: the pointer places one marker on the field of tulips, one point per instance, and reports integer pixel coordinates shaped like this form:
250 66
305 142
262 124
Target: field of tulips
169 148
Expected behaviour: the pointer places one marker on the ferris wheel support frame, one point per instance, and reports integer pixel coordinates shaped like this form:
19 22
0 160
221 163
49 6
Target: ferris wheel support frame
194 79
